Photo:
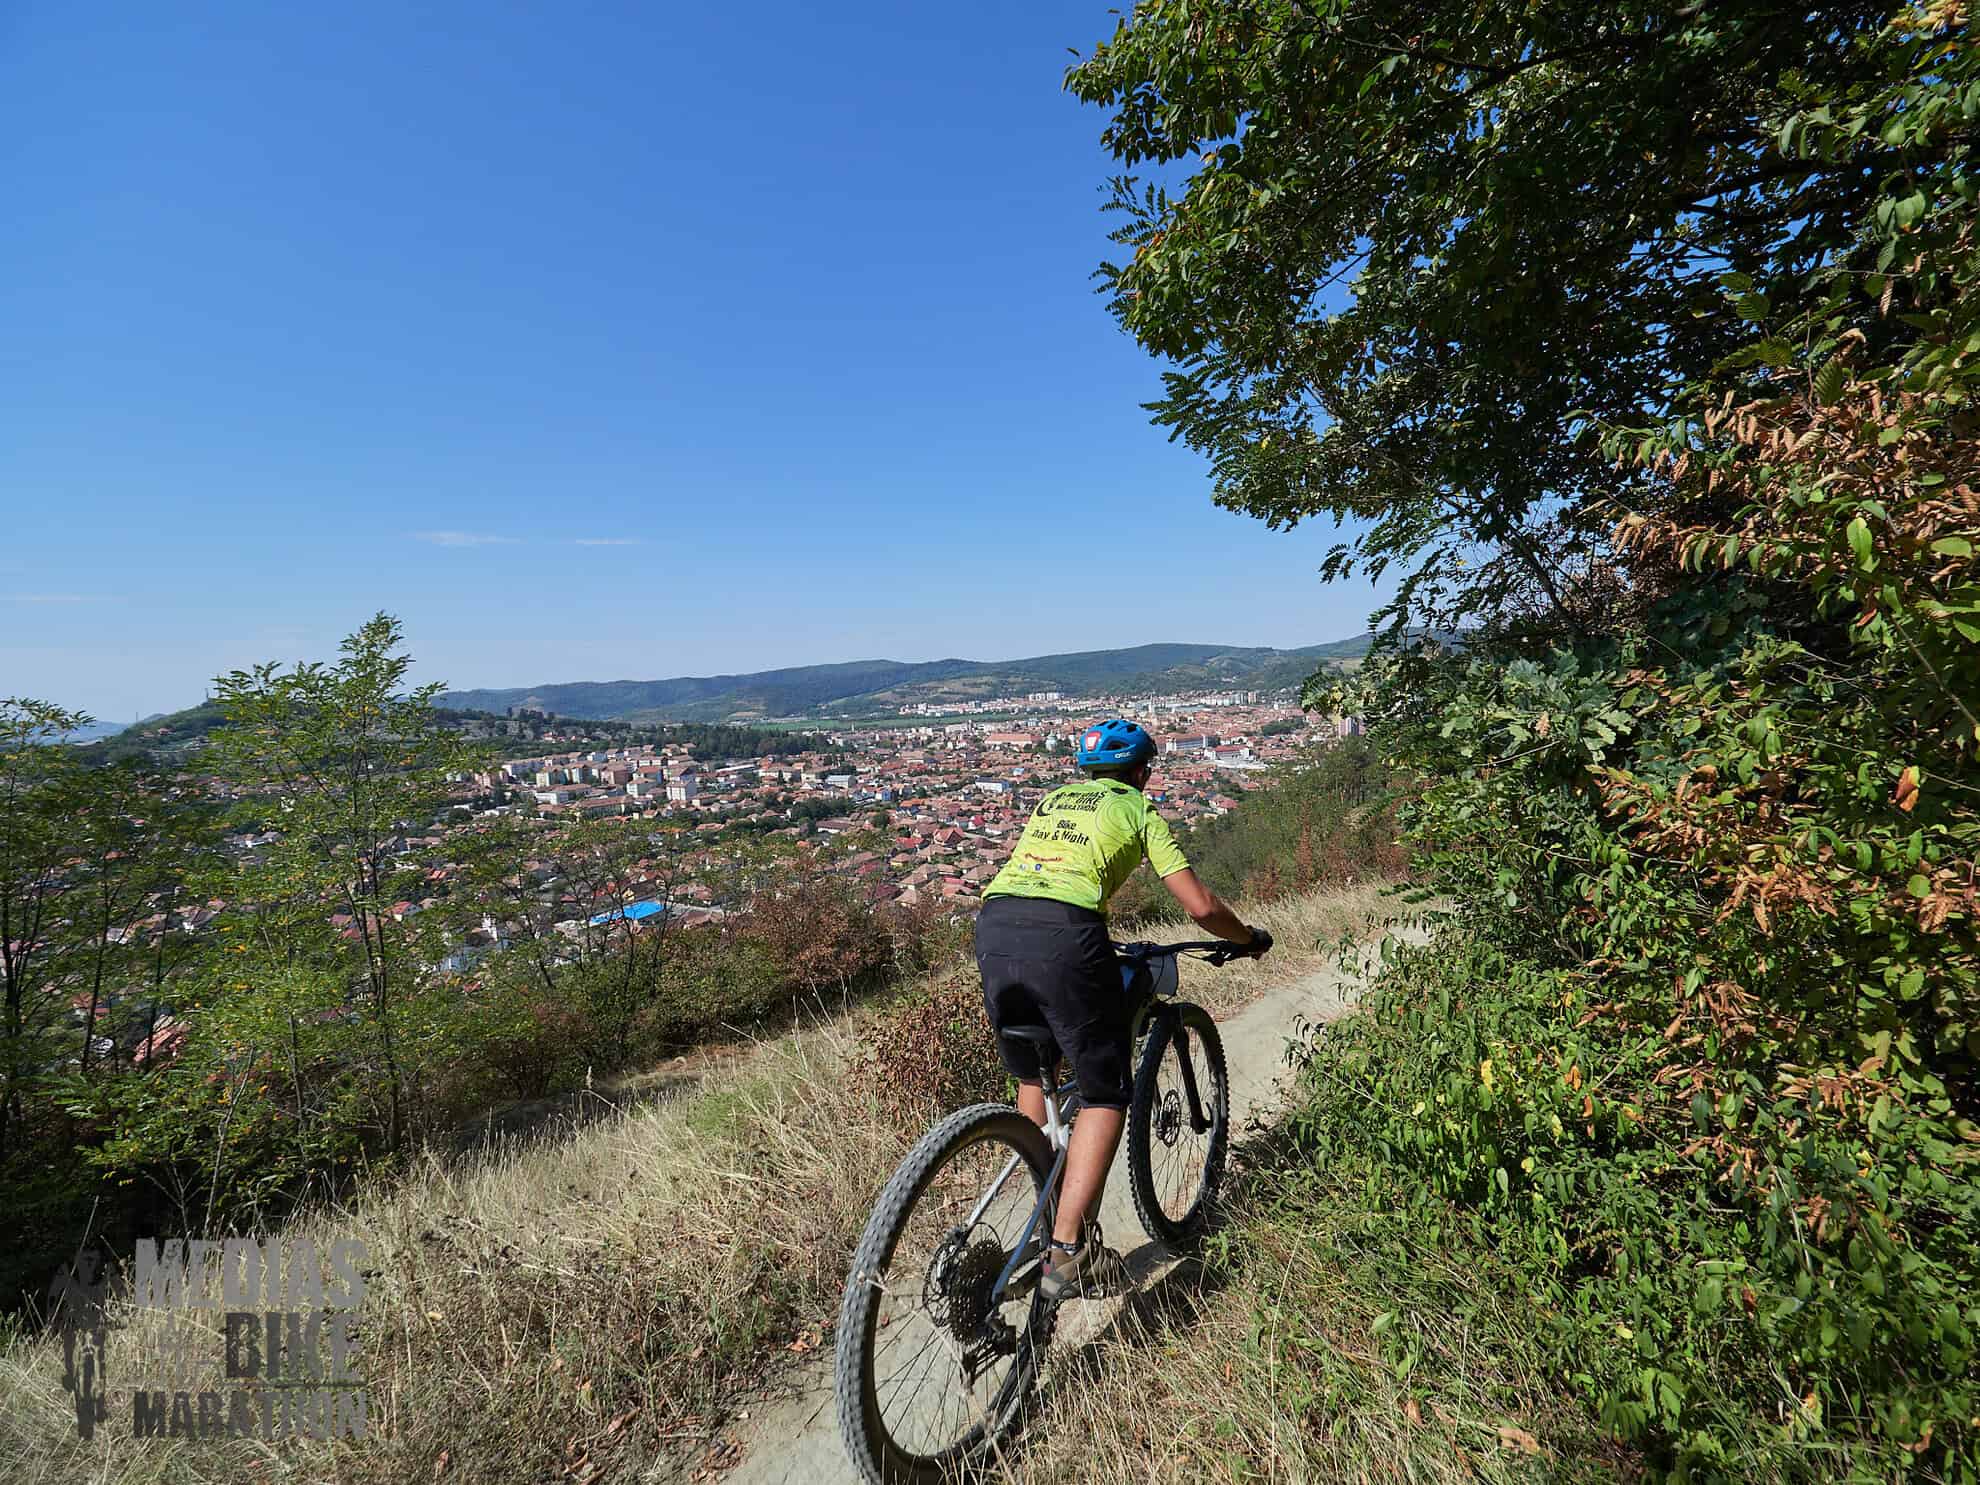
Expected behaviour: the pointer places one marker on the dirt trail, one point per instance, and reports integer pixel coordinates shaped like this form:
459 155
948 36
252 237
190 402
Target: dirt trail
793 1438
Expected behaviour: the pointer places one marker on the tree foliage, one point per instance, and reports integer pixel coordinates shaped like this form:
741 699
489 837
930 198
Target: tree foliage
350 766
1421 251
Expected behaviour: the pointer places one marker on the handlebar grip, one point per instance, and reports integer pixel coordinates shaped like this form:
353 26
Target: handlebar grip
1260 945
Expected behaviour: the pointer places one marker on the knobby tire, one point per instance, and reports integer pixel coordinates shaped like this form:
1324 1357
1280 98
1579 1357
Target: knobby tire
880 1457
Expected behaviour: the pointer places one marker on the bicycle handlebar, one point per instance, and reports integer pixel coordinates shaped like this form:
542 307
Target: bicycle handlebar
1209 950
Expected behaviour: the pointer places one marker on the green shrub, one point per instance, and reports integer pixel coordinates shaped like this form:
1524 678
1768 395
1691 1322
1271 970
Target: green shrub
528 1035
1705 1315
1695 1051
931 1052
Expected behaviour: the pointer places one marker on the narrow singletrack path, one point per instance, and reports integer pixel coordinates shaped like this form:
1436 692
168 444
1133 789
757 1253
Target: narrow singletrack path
793 1437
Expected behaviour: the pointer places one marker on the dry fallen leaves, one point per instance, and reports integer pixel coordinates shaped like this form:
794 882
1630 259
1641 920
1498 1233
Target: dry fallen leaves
1514 1437
724 1455
1907 789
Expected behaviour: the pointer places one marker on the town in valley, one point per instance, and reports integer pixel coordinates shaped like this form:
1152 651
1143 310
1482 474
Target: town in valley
920 811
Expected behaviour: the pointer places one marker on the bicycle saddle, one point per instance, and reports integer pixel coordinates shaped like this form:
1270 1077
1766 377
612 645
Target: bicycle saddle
1041 1042
1041 1035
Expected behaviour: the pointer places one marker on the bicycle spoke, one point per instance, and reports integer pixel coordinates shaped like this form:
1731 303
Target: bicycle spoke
1179 1154
929 1354
932 1304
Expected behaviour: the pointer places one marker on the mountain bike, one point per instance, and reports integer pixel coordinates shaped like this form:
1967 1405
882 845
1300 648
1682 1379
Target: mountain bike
943 1326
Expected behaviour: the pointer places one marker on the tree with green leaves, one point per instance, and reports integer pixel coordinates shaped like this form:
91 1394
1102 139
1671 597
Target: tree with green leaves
1408 259
89 859
348 765
41 791
618 962
138 840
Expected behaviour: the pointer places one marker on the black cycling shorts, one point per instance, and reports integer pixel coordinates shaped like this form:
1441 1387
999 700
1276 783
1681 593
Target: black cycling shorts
1047 963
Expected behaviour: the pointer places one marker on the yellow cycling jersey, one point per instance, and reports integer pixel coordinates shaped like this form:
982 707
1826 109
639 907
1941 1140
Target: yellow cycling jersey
1083 841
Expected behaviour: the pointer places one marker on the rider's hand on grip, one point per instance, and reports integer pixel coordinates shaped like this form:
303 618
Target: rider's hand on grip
1260 945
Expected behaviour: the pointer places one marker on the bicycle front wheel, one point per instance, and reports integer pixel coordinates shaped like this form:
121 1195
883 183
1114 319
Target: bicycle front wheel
1176 1144
932 1371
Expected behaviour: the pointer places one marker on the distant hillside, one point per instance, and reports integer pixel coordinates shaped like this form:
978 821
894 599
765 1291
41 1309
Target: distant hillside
93 732
166 733
873 686
858 688
712 698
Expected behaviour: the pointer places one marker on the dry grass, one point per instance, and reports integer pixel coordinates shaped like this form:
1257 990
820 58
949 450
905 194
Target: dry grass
1303 929
590 1300
592 1295
1314 1341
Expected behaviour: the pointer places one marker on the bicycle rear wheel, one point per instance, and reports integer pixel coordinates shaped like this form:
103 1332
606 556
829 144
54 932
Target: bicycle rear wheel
1174 1167
930 1373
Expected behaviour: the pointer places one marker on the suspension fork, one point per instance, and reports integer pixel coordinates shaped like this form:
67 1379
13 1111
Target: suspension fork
1163 1019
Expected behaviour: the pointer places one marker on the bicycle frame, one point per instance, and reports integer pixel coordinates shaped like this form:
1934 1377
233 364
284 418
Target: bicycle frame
1058 1133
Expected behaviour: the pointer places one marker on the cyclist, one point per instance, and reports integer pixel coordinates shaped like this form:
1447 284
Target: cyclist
1043 950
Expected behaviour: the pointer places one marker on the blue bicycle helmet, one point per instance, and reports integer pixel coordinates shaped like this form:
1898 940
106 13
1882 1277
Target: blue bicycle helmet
1114 744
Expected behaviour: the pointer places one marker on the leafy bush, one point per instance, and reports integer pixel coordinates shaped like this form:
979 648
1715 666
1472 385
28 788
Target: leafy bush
529 1039
716 977
275 1089
1809 1319
932 1051
1707 1054
1319 822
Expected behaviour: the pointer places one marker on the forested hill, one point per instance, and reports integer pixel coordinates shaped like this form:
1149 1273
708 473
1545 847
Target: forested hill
859 687
867 685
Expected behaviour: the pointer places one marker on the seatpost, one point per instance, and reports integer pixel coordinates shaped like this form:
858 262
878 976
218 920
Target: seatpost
1055 1132
1055 1129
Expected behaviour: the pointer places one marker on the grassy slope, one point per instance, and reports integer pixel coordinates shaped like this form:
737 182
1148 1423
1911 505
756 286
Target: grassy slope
1323 1337
610 1290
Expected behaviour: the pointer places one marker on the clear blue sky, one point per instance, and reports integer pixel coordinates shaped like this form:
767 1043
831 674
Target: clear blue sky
593 340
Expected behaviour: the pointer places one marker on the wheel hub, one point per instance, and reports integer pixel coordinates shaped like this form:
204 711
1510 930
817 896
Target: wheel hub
1168 1118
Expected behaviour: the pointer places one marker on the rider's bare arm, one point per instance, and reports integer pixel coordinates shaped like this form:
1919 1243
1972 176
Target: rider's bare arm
1207 909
